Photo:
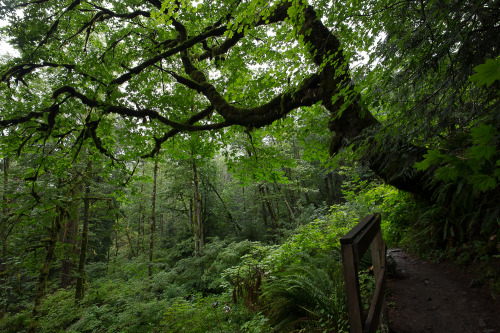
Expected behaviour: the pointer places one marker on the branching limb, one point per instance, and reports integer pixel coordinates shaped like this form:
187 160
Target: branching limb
22 5
21 70
181 47
129 112
191 121
20 120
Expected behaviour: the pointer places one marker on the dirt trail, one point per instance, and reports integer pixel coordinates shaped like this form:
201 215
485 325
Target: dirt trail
429 297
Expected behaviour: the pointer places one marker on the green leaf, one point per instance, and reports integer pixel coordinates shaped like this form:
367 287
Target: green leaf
433 156
483 134
448 173
424 165
497 173
482 182
481 152
487 73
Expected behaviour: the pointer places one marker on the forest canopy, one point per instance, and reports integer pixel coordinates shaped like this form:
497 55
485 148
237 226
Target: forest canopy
276 94
129 76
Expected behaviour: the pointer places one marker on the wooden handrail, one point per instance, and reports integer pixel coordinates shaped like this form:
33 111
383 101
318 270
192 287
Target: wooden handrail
354 245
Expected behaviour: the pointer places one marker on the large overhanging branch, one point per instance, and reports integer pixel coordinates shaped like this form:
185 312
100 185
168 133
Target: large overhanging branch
21 70
21 120
279 14
193 120
181 47
22 5
318 87
133 113
331 85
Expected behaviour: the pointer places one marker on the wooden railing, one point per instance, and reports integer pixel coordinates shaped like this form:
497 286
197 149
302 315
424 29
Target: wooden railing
354 245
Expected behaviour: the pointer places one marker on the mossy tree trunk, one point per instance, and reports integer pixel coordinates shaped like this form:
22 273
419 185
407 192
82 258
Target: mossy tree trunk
68 237
80 280
152 228
45 270
140 222
4 234
197 216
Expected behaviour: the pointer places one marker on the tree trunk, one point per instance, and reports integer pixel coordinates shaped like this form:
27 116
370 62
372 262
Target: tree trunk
163 217
116 248
291 213
392 160
274 218
129 241
140 227
3 234
336 182
45 270
197 218
264 215
138 251
69 238
80 280
153 220
228 212
329 199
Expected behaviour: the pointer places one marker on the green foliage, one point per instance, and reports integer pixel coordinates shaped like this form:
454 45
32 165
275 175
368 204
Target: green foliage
363 198
16 322
487 73
312 239
58 311
296 285
110 303
197 315
200 314
397 215
479 163
131 76
301 281
309 295
229 255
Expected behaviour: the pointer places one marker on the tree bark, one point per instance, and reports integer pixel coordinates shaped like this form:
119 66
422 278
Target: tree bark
264 215
117 246
228 212
392 160
140 226
152 228
291 213
129 241
80 280
45 270
274 218
4 234
197 217
329 199
70 231
332 85
163 216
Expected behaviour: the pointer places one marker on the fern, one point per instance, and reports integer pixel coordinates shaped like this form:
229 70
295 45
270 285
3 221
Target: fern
309 295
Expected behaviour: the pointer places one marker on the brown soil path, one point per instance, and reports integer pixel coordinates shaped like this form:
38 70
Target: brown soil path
430 297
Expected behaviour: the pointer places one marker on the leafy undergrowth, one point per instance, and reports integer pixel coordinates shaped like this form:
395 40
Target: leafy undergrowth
296 286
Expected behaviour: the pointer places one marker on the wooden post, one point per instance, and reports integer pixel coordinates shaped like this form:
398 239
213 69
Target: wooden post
354 244
352 289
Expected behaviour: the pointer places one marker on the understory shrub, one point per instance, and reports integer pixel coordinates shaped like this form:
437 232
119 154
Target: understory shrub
299 284
208 314
308 296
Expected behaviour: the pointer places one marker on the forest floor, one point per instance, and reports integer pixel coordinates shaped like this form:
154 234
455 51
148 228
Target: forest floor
438 297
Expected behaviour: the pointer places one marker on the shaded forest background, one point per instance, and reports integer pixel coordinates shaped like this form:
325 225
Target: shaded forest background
163 162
